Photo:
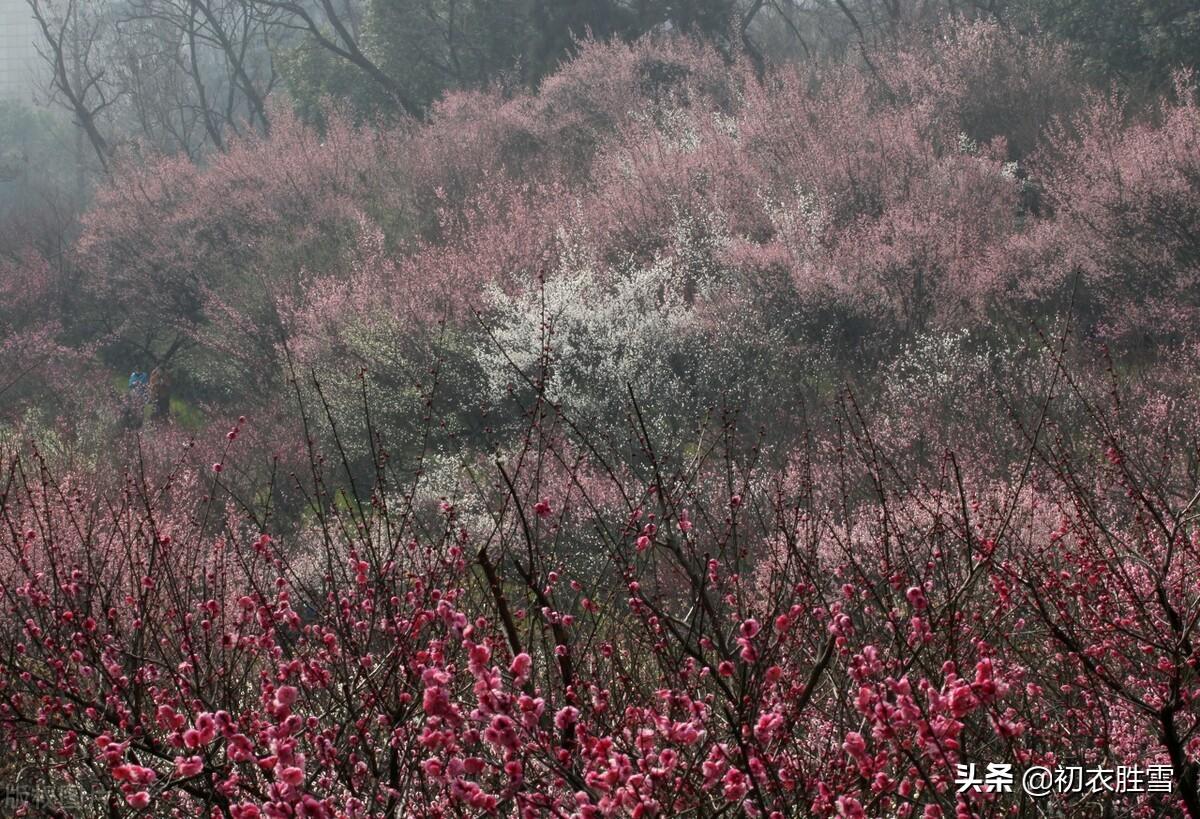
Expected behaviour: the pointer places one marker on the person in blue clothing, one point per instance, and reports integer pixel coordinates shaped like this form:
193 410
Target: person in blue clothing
139 388
139 384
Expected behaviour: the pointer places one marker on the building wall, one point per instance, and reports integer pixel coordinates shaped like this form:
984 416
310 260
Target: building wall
20 64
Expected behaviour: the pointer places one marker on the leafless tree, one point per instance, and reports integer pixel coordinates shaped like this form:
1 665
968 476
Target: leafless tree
204 66
174 75
72 45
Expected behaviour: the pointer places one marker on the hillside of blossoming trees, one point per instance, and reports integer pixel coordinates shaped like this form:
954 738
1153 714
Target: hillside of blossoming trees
685 434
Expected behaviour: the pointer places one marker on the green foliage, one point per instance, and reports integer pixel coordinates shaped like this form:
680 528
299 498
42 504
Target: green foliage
314 76
186 415
1137 42
430 48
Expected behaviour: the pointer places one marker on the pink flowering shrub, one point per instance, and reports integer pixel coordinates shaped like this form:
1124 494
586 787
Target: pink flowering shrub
846 208
179 255
1125 199
47 380
876 200
717 222
826 637
684 437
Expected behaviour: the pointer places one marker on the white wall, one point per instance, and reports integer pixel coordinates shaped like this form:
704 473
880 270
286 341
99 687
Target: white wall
20 65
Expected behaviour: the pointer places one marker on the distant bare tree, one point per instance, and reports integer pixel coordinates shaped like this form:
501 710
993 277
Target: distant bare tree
175 75
203 67
72 37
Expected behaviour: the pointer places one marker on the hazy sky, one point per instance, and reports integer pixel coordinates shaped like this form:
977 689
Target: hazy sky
18 59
